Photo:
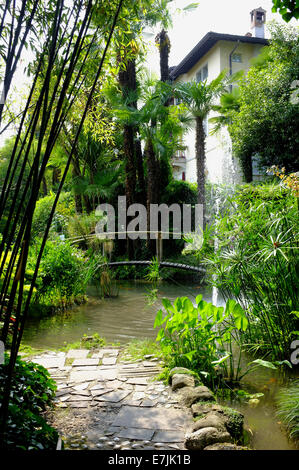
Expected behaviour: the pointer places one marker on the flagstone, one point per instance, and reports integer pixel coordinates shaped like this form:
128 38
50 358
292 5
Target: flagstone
80 398
81 386
109 361
169 436
138 434
85 362
150 418
77 353
114 397
50 362
88 376
98 393
112 352
138 381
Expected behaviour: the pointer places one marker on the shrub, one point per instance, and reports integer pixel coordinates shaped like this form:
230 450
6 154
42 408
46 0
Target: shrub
31 392
64 210
256 263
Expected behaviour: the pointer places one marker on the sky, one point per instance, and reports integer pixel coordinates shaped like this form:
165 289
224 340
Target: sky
220 16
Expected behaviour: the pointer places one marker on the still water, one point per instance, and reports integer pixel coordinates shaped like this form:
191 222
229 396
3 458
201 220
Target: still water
121 319
129 316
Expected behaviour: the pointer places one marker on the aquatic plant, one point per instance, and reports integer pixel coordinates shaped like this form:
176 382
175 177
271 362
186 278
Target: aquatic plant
200 337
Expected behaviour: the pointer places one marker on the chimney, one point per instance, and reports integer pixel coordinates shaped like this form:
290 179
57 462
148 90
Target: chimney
258 19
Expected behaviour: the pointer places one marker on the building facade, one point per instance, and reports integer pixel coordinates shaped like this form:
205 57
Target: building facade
214 53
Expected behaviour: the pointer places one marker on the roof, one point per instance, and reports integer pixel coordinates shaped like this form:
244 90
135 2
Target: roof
204 45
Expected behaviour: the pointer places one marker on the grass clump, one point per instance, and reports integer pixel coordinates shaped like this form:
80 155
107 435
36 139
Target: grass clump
137 349
94 341
288 409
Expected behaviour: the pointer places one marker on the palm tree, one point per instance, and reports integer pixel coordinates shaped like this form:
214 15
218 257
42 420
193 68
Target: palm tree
200 98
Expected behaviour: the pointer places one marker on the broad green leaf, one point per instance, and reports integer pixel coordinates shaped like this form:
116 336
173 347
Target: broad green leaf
261 362
222 359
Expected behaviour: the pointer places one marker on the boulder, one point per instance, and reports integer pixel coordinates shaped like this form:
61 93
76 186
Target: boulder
211 420
202 438
190 395
225 446
182 380
200 409
234 423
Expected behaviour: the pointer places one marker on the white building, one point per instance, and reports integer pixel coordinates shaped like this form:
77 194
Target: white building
213 53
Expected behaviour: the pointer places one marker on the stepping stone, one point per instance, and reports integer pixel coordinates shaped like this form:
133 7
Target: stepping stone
84 393
64 398
88 376
63 392
138 381
112 352
77 353
81 386
148 403
85 362
86 368
148 364
97 355
115 384
169 436
50 362
80 398
98 393
150 418
114 397
140 388
130 366
99 386
109 361
132 402
138 395
138 434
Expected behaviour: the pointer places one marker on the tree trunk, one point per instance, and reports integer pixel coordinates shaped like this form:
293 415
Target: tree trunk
247 168
45 188
152 186
163 43
200 163
127 81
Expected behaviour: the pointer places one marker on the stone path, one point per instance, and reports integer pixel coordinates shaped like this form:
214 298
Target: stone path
104 403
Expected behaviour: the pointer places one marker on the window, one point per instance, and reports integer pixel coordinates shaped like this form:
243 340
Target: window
237 58
202 74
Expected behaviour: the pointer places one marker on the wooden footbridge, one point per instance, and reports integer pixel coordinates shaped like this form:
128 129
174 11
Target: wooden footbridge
162 264
108 248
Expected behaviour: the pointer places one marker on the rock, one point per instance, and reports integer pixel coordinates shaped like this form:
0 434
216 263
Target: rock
225 446
190 395
202 438
180 370
211 420
199 409
182 380
234 422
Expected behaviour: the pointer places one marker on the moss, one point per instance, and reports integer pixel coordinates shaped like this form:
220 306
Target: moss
234 424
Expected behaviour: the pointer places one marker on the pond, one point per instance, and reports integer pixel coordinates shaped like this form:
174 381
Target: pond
129 316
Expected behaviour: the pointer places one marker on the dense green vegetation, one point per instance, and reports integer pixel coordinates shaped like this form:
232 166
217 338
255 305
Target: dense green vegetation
32 392
288 408
93 125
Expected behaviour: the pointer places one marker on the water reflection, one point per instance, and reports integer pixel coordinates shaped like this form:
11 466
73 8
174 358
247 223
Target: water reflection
119 319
